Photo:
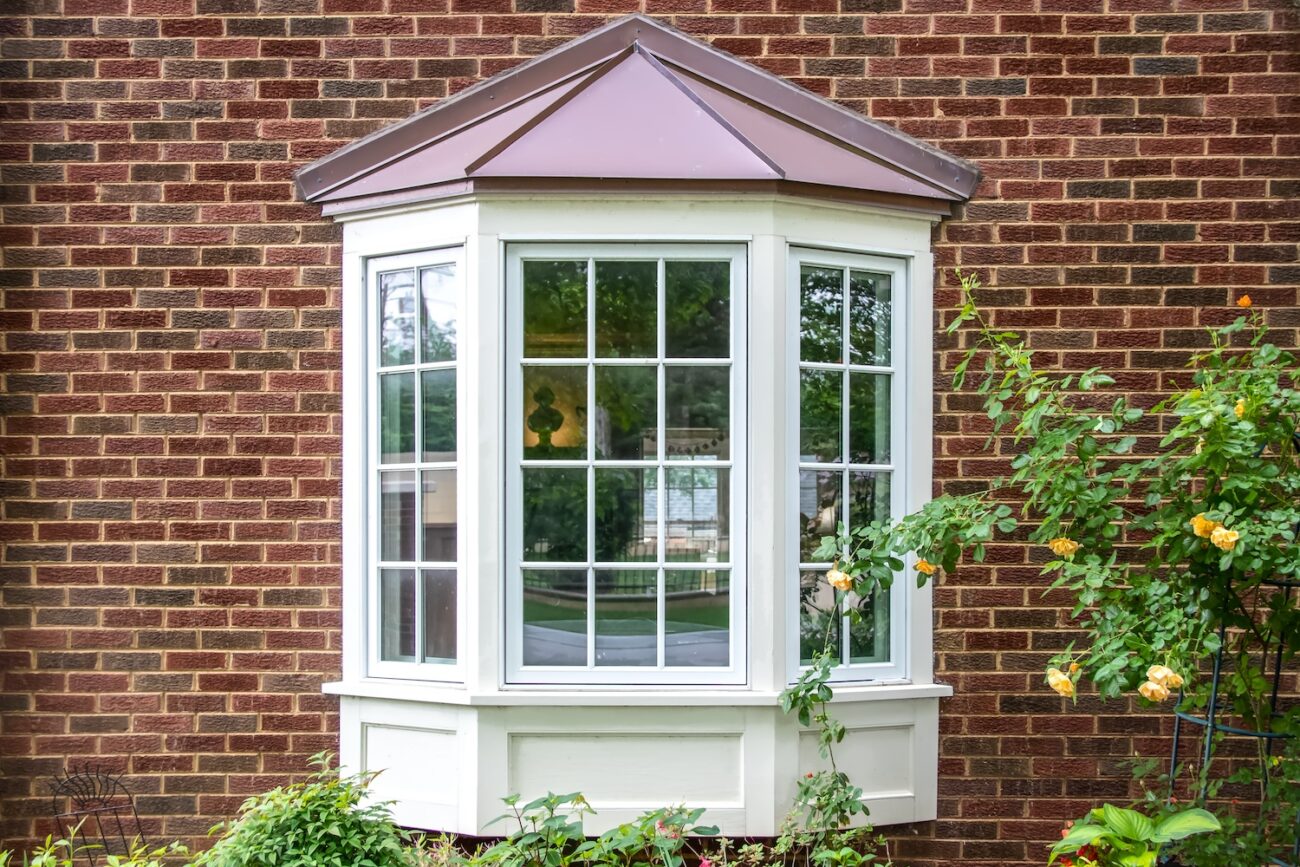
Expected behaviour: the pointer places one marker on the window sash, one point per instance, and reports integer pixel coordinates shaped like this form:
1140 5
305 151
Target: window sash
661 566
421 667
895 667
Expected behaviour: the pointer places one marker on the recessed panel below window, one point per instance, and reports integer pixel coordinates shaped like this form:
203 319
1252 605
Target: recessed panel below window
697 617
554 617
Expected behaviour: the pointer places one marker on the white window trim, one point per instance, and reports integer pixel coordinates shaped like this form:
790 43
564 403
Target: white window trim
903 393
453 672
615 676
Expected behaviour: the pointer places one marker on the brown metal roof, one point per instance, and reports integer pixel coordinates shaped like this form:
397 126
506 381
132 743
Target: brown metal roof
637 106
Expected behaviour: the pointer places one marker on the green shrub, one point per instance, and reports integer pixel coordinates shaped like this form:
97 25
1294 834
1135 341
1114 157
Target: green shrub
319 823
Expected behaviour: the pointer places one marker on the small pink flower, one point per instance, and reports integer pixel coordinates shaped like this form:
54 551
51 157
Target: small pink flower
705 862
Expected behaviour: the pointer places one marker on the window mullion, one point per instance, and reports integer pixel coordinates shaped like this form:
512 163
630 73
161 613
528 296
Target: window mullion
591 465
661 473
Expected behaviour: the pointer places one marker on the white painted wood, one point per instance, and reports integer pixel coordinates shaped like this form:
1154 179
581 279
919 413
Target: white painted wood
894 721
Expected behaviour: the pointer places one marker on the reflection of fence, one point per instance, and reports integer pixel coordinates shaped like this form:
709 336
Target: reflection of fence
677 585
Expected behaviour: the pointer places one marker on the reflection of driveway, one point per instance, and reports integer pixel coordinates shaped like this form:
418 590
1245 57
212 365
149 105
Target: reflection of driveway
560 642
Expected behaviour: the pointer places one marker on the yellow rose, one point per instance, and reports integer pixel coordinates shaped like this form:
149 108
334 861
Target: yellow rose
1074 666
1165 676
838 579
1153 691
925 567
1060 682
1240 409
1063 547
1224 539
1243 301
1203 526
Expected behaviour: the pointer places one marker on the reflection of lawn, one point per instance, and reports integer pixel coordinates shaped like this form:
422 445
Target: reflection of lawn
682 617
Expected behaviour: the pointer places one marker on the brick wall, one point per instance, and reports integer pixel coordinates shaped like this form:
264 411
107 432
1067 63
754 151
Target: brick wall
170 440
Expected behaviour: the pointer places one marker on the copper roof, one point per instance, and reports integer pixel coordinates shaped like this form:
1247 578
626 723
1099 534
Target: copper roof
633 106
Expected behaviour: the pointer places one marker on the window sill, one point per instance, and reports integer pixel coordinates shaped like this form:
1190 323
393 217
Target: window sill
405 690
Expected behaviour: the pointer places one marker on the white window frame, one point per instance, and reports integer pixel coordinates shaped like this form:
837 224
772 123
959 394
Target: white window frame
897 668
516 673
376 666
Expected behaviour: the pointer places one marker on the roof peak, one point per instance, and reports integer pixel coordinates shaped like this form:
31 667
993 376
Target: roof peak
724 120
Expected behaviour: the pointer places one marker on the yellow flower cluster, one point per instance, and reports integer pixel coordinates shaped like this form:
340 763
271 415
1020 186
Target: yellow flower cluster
837 579
1161 679
1063 547
1061 682
1220 536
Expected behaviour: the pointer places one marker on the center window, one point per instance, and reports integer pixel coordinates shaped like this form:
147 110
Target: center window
625 449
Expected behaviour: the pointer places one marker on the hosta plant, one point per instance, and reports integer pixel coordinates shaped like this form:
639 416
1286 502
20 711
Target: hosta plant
1113 836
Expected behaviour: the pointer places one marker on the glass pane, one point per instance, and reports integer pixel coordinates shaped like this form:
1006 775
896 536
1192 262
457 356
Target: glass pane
818 616
869 635
821 420
697 615
697 309
555 412
821 314
555 617
868 418
555 515
438 406
396 318
869 317
819 509
627 617
555 309
698 522
439 614
626 529
397 614
397 516
438 516
438 313
868 498
697 407
627 413
627 296
397 418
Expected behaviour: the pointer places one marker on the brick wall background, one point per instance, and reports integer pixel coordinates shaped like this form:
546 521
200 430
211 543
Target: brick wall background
170 434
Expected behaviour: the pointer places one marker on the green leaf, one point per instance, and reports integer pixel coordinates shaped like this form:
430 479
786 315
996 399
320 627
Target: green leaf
1129 824
1185 823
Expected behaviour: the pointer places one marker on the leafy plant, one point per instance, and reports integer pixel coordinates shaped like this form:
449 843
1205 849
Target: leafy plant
1117 837
318 823
65 852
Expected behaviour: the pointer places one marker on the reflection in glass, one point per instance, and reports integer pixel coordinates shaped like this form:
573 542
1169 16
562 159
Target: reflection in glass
697 614
627 617
868 498
821 420
821 314
397 614
626 531
438 516
439 614
869 636
818 616
397 418
397 516
697 407
697 309
627 411
819 509
555 617
438 313
396 318
438 406
626 309
697 514
555 309
868 418
555 412
555 515
869 317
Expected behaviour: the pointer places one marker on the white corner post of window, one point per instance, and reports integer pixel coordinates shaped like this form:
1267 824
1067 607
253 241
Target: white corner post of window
586 594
